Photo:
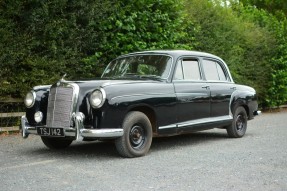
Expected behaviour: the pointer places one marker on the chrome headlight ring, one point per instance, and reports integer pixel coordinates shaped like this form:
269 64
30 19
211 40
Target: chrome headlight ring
30 99
97 98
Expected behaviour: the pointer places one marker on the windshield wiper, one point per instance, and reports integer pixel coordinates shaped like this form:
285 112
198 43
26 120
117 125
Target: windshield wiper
137 76
131 75
154 77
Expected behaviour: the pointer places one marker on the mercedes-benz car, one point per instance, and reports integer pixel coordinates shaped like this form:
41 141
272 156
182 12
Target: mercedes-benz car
140 96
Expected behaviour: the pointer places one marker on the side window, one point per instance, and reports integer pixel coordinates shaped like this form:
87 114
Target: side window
187 70
191 70
178 75
210 70
214 71
221 74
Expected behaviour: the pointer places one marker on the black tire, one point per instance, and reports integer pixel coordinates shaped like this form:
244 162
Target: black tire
239 124
56 143
137 137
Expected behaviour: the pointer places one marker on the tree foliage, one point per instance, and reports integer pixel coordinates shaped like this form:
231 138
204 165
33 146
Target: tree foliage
41 39
245 46
277 7
276 89
142 25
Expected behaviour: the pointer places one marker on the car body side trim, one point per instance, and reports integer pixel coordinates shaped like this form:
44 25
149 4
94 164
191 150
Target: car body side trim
205 120
198 122
168 126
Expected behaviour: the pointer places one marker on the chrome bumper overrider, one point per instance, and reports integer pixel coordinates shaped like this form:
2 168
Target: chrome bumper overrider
79 132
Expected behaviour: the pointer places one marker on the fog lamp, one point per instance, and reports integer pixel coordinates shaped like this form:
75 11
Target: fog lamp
38 116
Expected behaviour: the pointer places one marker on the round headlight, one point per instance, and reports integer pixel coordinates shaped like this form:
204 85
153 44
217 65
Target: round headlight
30 99
38 116
97 98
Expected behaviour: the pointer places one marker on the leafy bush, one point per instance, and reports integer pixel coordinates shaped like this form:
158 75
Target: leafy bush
40 40
251 41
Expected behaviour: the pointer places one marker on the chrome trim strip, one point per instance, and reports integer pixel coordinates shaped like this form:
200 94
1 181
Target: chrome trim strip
168 126
198 121
205 120
134 95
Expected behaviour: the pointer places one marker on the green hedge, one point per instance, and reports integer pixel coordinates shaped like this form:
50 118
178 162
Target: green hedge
42 39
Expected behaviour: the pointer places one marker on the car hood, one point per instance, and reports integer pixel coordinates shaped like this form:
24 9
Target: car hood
104 83
93 84
87 86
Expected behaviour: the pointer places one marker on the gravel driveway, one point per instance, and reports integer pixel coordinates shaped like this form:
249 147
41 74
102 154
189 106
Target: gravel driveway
206 160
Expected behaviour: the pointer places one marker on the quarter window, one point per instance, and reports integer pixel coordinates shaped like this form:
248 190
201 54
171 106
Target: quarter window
214 71
178 75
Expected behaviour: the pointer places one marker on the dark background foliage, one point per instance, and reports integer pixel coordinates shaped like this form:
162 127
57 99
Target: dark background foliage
42 39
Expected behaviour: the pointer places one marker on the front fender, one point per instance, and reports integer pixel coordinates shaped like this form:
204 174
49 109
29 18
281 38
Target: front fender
41 103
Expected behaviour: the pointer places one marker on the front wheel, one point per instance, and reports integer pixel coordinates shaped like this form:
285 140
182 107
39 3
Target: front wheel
137 137
239 124
56 143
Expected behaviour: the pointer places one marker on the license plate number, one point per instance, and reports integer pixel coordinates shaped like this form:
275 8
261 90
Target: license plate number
48 131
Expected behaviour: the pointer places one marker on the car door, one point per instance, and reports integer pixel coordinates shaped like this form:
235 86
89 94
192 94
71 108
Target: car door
192 93
221 87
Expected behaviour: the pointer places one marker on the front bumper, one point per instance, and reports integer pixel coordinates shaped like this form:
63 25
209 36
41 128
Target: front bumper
78 132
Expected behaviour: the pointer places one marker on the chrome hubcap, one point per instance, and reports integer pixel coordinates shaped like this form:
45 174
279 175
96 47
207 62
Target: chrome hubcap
240 122
137 136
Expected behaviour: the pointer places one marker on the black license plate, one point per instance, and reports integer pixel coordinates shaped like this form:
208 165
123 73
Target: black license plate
48 131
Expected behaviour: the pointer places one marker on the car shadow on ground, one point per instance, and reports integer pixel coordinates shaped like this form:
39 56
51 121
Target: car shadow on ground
106 149
192 139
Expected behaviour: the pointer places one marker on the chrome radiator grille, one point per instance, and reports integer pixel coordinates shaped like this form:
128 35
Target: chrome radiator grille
60 107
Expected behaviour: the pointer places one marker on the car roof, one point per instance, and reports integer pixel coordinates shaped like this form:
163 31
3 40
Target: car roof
175 53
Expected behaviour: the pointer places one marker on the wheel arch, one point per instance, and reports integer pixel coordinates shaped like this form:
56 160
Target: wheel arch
238 101
150 113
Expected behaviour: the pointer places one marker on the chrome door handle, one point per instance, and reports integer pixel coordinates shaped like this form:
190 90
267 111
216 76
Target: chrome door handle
206 87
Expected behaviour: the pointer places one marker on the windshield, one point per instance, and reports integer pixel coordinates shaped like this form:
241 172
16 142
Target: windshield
153 66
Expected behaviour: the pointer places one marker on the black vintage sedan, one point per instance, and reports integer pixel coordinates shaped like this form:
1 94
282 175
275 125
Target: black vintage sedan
140 96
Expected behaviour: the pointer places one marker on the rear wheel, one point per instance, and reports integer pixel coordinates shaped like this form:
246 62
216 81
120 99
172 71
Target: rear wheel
56 143
239 124
137 137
